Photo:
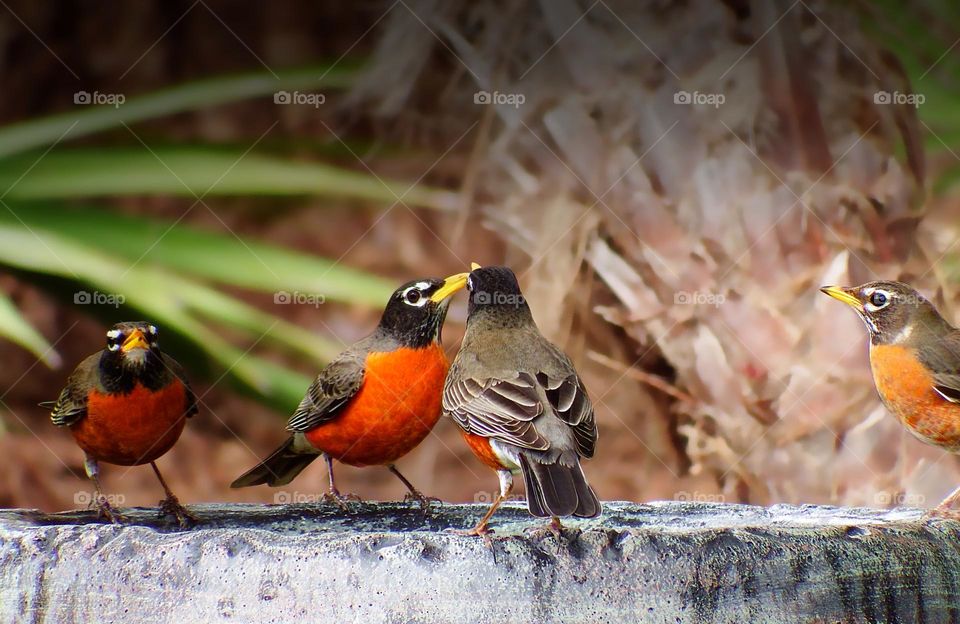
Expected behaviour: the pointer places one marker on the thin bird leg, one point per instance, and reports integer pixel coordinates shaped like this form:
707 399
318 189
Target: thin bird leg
414 495
333 495
170 506
506 486
104 509
944 509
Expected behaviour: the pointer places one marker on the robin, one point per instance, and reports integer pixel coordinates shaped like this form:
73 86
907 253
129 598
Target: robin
127 405
377 400
520 404
915 359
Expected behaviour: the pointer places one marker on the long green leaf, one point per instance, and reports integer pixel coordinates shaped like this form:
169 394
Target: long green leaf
88 119
196 172
14 327
221 257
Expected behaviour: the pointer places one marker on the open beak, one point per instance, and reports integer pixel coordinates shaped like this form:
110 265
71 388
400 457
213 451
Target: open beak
135 340
842 294
450 285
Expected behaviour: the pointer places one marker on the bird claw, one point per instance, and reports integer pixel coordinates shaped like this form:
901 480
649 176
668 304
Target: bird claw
553 528
423 500
105 510
341 500
945 513
481 530
171 507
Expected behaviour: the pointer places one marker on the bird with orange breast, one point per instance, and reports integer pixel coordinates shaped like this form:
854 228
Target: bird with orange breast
127 405
376 401
915 360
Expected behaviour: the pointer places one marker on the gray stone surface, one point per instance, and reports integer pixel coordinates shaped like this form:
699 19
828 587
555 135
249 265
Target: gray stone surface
663 562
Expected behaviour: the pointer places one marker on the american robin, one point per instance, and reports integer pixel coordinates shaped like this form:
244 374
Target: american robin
377 400
127 405
520 404
915 359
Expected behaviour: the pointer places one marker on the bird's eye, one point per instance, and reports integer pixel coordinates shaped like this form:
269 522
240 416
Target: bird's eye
413 296
878 299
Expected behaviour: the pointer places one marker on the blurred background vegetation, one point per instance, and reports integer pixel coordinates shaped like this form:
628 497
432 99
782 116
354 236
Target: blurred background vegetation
153 166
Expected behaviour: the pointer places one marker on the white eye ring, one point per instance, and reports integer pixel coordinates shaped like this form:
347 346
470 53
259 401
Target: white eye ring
153 329
419 287
869 306
469 283
114 333
113 346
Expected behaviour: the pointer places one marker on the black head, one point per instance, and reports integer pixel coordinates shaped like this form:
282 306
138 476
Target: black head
415 313
892 311
495 290
132 355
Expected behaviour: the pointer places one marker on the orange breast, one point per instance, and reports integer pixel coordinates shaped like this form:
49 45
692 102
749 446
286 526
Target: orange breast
395 409
134 428
906 388
481 448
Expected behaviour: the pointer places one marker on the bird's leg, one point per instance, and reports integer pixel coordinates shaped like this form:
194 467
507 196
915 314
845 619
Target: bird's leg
170 506
104 510
944 509
414 495
333 495
554 527
506 486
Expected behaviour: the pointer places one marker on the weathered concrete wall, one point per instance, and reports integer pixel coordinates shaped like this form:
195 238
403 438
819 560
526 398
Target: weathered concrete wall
666 562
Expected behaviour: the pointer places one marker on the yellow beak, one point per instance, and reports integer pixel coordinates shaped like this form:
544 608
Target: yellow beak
450 285
842 294
135 340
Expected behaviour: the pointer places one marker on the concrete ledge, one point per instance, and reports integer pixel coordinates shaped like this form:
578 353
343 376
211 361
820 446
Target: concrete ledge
664 562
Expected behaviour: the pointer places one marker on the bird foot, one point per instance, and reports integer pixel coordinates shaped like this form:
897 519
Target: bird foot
171 507
105 510
481 530
341 500
423 500
943 512
553 528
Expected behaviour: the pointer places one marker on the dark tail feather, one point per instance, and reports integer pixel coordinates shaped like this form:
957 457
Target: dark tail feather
556 490
278 469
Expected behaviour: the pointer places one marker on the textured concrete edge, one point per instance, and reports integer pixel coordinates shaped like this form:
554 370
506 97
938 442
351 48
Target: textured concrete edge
649 562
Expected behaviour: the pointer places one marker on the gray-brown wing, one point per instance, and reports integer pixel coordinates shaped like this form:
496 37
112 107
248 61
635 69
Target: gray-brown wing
943 360
71 405
496 408
329 393
569 399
